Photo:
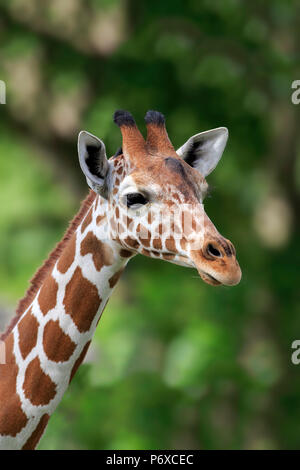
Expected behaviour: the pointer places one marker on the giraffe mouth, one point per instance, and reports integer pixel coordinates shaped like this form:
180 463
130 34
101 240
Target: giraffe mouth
209 279
184 261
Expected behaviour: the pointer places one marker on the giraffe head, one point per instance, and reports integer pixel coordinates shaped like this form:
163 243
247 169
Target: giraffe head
154 195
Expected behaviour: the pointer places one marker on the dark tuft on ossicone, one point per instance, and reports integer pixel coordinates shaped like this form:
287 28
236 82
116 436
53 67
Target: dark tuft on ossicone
155 117
123 118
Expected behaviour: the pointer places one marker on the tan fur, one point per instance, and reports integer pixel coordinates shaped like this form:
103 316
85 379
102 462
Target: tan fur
134 144
158 140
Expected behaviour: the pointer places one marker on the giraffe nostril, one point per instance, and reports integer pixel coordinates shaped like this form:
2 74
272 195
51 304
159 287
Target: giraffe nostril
213 251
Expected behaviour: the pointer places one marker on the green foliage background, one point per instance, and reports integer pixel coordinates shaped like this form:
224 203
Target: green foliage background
175 363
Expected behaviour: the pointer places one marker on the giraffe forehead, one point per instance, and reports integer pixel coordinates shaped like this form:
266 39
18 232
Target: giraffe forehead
170 172
157 173
138 181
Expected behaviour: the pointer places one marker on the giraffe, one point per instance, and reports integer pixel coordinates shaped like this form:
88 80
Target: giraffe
132 197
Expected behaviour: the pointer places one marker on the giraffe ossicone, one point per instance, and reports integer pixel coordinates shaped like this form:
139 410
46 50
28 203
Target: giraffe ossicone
146 199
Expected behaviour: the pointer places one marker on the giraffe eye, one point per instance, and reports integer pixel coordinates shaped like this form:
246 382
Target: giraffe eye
133 199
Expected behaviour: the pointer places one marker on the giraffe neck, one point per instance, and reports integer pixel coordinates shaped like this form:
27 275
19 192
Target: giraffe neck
52 336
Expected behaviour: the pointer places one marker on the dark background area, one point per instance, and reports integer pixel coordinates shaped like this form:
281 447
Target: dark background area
175 363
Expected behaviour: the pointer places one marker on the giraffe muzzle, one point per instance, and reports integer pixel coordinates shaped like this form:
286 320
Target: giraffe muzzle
216 262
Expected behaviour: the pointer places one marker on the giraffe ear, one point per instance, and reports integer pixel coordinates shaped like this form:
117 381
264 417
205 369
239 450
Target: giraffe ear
93 161
203 151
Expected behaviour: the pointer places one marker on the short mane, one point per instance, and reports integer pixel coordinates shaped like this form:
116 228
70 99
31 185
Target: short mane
48 265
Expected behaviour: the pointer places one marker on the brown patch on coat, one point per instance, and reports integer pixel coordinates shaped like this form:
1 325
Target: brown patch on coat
67 257
58 346
157 244
35 437
168 256
48 295
160 229
81 301
79 361
171 245
9 350
48 265
101 252
150 253
128 222
176 197
28 331
12 417
88 219
114 279
183 243
37 386
132 242
144 234
99 219
126 253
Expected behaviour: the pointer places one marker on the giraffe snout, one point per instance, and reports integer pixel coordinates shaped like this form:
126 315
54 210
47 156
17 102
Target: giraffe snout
216 262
